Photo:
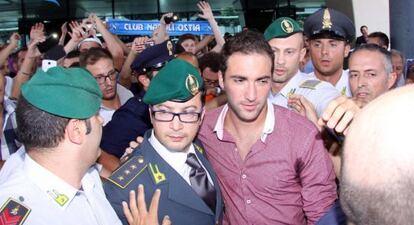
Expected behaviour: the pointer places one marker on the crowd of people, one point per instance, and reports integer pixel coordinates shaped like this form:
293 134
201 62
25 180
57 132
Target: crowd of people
290 126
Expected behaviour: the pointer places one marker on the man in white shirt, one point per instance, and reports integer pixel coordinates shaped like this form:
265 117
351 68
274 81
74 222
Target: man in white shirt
330 33
56 181
285 37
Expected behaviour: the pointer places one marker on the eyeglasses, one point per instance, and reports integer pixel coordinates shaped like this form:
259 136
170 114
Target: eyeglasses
112 75
185 117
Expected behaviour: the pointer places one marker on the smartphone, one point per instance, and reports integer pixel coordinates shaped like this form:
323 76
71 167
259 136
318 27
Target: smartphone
47 64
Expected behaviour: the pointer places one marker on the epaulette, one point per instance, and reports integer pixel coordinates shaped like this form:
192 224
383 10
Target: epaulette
13 212
310 84
199 148
128 171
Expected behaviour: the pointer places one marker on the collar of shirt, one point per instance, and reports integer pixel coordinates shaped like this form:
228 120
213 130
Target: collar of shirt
267 129
61 192
175 159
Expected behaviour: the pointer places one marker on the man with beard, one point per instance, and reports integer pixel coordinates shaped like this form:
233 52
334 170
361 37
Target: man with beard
285 37
330 34
270 162
99 63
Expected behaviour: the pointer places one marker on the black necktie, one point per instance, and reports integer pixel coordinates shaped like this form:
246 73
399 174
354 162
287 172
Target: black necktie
199 182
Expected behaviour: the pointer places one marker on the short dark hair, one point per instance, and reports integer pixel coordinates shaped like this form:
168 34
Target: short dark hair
245 42
37 128
211 60
375 48
93 55
184 37
360 29
384 40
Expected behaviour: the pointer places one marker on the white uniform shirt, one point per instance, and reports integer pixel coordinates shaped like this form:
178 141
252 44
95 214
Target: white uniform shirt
319 93
124 95
50 199
343 83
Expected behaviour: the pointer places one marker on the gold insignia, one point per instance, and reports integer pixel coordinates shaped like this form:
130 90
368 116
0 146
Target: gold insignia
326 23
287 26
60 199
128 171
170 48
140 159
200 149
291 92
343 92
191 84
156 174
15 211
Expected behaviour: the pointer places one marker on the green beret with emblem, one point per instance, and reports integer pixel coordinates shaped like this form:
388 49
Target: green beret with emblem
177 81
71 93
281 28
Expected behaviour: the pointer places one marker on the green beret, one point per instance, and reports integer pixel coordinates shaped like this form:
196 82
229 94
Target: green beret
177 81
71 93
281 28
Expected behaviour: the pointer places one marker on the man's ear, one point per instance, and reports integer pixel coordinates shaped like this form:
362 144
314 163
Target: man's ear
392 78
347 49
143 79
75 131
221 79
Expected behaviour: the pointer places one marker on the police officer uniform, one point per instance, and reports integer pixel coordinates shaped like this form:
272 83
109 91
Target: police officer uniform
30 193
156 167
319 93
132 118
335 25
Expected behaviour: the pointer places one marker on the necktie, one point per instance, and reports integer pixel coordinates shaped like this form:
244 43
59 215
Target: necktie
199 182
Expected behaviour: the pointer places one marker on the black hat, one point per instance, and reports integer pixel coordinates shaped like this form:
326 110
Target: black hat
329 22
153 57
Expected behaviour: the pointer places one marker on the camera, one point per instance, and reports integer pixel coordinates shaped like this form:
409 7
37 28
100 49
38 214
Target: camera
173 18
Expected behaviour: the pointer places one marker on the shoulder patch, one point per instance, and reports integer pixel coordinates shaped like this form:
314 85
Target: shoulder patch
310 84
128 171
13 212
199 148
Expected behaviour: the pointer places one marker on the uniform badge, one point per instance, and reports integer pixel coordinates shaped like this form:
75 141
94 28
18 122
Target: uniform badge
199 148
191 84
126 173
291 92
310 84
156 174
286 26
13 213
326 23
343 91
60 199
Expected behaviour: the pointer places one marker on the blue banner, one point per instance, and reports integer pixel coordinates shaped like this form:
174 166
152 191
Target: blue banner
145 27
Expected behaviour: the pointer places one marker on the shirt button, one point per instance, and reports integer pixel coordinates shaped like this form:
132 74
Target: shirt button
248 201
244 176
